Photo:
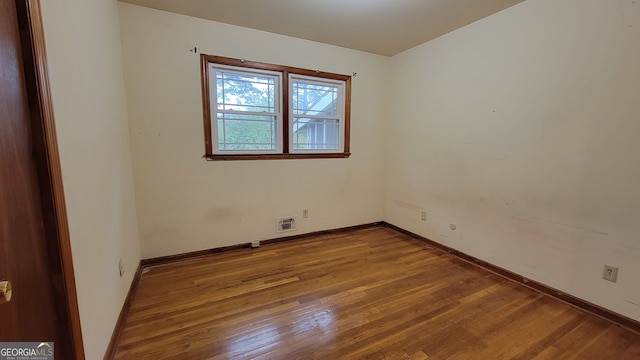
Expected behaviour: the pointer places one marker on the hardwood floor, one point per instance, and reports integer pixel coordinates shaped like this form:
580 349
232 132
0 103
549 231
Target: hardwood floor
368 294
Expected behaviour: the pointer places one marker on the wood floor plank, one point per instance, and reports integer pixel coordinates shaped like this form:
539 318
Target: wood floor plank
368 294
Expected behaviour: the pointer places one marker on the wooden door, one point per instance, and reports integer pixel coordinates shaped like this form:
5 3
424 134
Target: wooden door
30 255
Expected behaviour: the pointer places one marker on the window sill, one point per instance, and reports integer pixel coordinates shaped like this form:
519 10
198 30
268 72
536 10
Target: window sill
276 157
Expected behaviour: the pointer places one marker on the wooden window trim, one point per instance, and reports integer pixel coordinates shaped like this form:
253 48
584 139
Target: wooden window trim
205 60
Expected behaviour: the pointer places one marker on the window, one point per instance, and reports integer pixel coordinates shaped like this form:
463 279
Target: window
264 111
247 112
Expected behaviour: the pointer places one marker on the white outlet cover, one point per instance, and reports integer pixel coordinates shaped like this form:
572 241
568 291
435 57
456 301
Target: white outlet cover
610 273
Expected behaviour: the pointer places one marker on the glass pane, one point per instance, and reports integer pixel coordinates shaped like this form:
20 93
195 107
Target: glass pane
245 92
246 132
316 134
314 99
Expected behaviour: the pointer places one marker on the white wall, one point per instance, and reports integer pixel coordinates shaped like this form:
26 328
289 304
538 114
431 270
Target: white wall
186 203
85 68
522 129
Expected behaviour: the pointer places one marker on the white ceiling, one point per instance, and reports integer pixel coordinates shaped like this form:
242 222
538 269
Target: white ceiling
384 27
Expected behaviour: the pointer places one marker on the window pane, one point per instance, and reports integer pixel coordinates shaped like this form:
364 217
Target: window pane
314 99
246 132
245 92
316 134
272 110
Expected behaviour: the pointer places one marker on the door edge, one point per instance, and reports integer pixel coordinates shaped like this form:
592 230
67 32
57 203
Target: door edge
45 144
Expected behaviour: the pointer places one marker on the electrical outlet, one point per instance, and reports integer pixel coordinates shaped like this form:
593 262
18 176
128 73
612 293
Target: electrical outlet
610 273
121 268
423 216
255 244
305 213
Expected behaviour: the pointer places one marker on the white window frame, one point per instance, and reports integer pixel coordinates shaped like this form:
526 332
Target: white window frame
213 84
341 113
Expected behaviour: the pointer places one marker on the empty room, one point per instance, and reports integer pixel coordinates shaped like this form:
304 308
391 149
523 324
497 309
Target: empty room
442 179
